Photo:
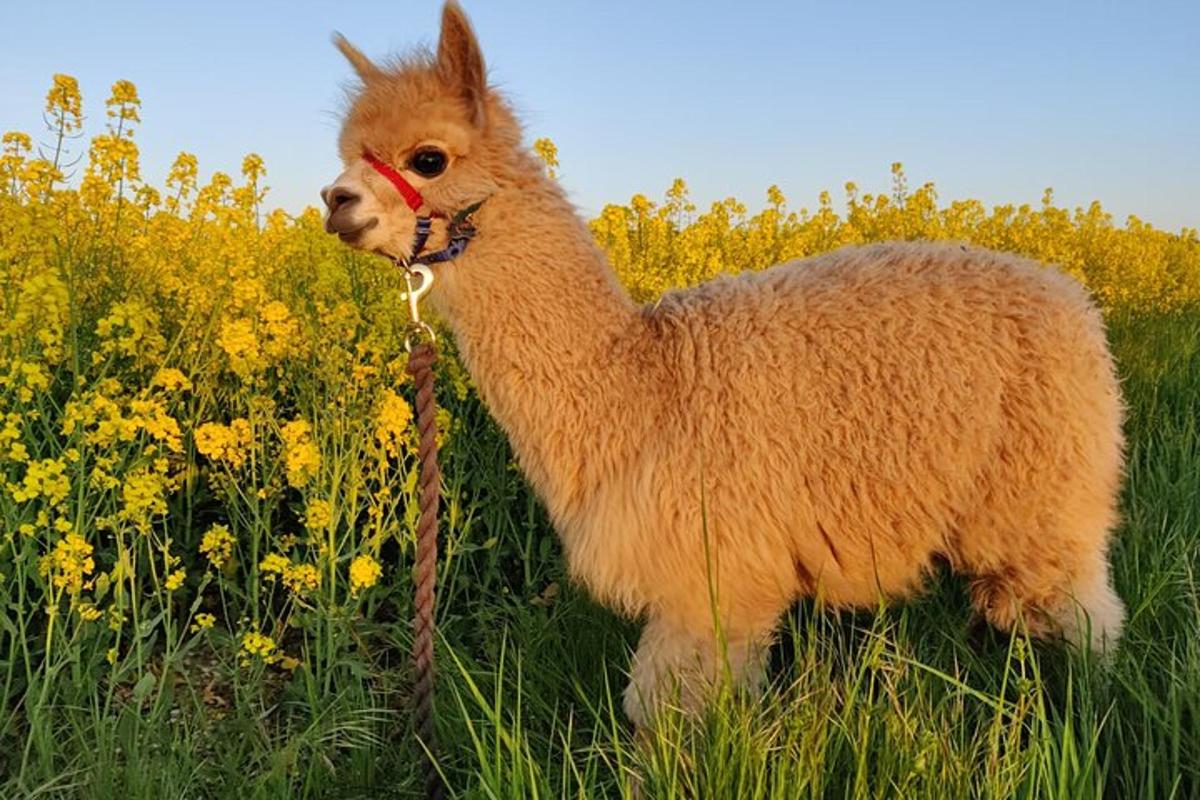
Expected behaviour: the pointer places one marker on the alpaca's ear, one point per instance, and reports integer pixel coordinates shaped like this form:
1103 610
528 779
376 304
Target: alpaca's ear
365 68
460 62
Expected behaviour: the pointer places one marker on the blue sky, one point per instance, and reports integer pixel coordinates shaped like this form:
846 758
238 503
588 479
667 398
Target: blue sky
1100 100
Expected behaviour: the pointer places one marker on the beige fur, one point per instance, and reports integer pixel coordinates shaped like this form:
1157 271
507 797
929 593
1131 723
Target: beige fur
828 427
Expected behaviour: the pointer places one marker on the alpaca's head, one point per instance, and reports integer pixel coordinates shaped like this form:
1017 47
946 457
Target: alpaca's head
431 118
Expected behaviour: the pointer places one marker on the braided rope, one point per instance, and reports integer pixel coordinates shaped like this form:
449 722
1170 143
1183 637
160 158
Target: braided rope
420 367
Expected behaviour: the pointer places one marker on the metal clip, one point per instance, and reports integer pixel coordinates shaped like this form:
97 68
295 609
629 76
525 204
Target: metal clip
416 326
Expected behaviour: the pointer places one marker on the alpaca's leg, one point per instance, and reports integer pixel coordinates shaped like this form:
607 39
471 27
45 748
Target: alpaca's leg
1038 557
1037 551
1094 614
675 663
1044 564
1037 546
1079 605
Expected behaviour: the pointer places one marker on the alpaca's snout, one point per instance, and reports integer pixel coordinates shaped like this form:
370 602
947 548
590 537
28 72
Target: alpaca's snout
337 196
343 203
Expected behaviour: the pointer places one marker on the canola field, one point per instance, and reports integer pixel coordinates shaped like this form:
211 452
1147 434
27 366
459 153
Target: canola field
207 474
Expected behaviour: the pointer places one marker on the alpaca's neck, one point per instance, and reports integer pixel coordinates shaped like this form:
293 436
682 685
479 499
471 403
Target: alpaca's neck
549 338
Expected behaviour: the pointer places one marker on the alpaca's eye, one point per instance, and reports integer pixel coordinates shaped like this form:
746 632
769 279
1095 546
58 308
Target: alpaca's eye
428 163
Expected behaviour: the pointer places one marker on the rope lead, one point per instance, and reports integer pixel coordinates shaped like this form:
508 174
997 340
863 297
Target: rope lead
420 366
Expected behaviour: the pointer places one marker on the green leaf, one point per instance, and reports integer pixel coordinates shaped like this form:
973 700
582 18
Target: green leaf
144 686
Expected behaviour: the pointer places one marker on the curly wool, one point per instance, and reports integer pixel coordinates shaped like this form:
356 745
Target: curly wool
830 427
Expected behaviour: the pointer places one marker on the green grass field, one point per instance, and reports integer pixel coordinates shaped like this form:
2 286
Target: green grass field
914 701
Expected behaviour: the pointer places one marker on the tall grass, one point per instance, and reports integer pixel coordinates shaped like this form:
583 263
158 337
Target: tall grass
911 701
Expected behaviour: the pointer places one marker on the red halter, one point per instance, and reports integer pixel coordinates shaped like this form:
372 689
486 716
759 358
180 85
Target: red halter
459 232
406 189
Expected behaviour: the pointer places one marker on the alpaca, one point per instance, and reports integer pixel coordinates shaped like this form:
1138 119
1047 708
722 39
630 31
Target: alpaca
830 427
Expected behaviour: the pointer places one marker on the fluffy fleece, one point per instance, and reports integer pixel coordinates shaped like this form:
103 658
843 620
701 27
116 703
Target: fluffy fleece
828 427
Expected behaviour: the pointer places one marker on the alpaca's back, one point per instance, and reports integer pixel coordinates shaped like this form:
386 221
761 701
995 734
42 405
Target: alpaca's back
853 415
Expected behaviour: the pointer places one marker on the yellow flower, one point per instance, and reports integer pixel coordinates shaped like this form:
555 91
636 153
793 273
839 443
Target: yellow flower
69 563
547 151
16 142
181 182
123 102
252 167
300 579
88 612
183 172
27 377
257 645
131 330
146 198
18 452
175 579
392 419
217 544
170 379
144 496
46 478
241 345
202 622
280 330
12 159
317 515
64 104
301 456
10 433
152 417
224 443
364 573
274 564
